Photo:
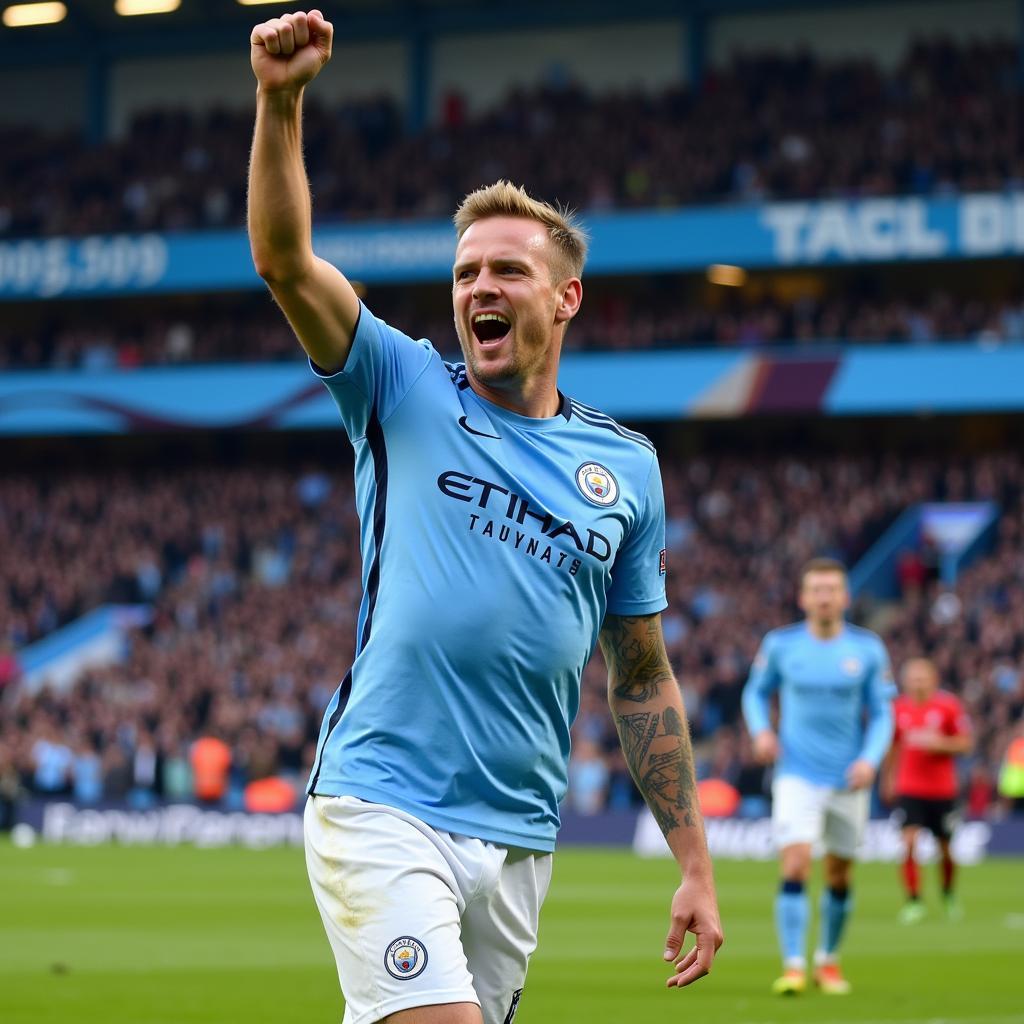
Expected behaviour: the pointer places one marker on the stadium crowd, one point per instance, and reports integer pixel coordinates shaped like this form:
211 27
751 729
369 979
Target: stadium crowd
767 126
253 577
661 315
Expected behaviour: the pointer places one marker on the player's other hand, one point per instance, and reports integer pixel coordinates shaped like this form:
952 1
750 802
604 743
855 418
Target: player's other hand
694 909
887 790
766 747
860 774
288 52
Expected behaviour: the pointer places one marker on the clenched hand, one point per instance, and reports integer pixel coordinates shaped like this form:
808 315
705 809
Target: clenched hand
287 53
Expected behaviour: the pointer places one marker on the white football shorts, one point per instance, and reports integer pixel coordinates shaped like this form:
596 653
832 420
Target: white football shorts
803 812
416 916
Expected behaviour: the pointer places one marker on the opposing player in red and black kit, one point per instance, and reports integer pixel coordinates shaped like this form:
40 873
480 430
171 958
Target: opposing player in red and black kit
932 729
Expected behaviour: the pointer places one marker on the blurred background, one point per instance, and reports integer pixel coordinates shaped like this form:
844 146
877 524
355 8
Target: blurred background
805 287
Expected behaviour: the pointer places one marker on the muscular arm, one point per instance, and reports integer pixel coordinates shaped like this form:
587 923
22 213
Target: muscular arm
318 300
651 721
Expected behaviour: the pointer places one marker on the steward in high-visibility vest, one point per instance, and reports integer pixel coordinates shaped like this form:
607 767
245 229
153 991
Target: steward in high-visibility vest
1011 775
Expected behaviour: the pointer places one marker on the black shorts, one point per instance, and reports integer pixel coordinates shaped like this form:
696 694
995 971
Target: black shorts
940 817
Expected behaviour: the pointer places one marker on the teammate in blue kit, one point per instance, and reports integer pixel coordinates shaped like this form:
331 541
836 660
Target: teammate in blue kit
835 692
504 530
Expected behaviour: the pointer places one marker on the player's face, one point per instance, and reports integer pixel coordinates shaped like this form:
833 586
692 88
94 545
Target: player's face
510 307
824 596
919 680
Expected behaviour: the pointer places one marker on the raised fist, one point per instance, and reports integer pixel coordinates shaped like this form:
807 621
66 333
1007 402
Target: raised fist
288 52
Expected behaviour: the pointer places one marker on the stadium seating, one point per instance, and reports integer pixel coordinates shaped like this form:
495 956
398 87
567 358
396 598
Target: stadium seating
253 573
768 126
234 329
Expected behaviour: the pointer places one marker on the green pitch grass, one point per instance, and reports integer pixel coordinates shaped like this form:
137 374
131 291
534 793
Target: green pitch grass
169 936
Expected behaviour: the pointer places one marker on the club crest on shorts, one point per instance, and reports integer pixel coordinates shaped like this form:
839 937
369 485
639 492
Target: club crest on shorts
405 958
597 484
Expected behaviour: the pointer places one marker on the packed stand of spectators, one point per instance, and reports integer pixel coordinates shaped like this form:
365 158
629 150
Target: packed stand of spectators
657 318
253 577
767 126
739 531
661 315
975 631
246 330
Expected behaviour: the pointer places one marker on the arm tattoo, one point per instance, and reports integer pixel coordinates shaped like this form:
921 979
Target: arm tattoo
637 732
656 742
635 655
661 762
673 723
667 787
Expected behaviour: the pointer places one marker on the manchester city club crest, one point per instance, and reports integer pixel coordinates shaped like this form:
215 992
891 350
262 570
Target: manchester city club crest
405 958
597 484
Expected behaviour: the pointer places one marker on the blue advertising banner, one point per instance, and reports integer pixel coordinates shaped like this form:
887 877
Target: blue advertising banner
771 235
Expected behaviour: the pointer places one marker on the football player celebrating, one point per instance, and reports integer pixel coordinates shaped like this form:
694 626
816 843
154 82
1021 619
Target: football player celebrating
505 530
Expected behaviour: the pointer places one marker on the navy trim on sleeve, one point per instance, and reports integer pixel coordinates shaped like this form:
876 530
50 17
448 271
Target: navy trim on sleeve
379 453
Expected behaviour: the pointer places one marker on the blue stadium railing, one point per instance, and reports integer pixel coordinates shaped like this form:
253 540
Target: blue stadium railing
854 380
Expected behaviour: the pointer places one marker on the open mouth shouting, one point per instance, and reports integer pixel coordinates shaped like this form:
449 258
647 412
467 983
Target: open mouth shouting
490 328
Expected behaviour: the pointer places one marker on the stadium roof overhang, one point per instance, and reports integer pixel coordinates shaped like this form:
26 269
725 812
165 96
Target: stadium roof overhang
92 28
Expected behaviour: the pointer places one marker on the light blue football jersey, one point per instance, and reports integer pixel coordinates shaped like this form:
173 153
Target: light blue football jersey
835 700
493 544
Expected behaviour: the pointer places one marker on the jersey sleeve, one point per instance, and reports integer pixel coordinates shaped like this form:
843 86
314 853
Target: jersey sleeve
897 731
958 722
879 694
382 365
638 576
761 684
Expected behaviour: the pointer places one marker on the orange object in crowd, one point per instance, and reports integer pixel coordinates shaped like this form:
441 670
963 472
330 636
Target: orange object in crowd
211 759
270 796
718 799
1011 775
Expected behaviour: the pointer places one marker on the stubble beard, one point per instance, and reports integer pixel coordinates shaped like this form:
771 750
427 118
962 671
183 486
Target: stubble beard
526 357
506 371
510 369
827 621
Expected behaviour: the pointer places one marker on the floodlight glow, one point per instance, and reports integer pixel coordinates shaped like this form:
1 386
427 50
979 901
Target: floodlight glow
129 8
727 275
19 15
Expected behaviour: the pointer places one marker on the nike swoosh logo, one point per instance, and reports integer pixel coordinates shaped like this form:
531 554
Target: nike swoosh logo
479 433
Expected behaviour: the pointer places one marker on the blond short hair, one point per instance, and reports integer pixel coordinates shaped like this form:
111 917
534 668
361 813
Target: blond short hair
503 199
822 565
